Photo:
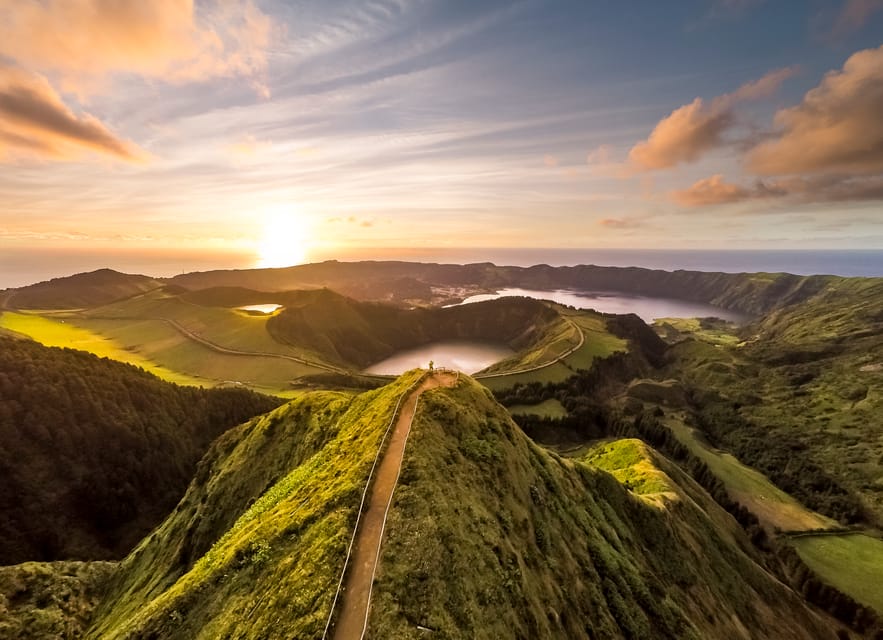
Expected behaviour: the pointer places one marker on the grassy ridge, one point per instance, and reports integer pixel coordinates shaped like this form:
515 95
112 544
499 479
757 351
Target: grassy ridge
490 536
255 548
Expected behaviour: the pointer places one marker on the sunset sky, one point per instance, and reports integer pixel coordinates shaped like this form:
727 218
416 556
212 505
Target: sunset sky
302 129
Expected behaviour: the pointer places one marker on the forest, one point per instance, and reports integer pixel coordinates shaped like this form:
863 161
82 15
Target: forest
96 452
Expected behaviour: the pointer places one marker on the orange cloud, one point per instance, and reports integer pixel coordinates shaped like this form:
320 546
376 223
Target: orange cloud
35 122
82 40
836 129
715 191
711 191
620 223
762 87
694 129
683 136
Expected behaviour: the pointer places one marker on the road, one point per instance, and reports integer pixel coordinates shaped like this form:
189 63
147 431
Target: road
355 596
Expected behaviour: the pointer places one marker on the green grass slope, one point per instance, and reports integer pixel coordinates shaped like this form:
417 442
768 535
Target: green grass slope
256 546
491 536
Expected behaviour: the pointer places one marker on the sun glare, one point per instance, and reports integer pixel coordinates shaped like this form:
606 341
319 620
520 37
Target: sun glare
284 241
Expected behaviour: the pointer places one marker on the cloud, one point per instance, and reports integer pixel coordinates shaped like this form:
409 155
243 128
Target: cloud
247 147
35 122
83 40
712 191
836 129
762 87
682 136
854 15
715 191
550 160
620 223
694 129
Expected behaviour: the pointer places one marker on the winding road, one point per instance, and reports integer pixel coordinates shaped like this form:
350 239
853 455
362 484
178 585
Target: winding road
355 595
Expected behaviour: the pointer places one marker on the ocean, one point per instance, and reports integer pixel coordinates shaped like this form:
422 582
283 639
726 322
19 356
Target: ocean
19 267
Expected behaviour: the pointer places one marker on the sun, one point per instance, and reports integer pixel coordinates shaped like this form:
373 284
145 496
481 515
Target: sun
284 241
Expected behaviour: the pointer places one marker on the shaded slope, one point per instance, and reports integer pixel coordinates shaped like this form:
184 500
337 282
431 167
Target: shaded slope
256 546
80 291
491 536
94 453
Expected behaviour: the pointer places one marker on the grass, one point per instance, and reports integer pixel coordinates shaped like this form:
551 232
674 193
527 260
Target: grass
62 333
772 506
598 343
255 548
713 332
631 463
563 551
550 408
852 563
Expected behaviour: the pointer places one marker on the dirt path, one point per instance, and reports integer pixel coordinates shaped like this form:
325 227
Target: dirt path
355 597
515 372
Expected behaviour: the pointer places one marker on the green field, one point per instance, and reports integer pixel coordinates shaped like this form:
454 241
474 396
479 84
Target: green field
159 348
772 506
852 563
550 408
62 333
230 328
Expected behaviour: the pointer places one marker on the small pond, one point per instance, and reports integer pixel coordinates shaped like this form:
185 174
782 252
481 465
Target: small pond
468 356
261 308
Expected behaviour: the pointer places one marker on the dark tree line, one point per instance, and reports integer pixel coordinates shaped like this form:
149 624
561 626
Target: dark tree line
94 453
778 456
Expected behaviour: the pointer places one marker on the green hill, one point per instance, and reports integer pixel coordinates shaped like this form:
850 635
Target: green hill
358 334
94 453
82 290
489 536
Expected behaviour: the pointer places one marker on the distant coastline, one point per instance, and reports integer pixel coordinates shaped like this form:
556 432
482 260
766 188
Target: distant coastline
19 267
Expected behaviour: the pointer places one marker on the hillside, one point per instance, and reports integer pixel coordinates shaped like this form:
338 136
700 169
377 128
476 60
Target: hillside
82 290
806 379
94 453
427 283
357 334
489 536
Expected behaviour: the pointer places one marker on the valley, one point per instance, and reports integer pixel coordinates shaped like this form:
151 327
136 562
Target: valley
755 446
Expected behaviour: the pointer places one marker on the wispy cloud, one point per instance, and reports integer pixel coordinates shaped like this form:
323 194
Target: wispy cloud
854 15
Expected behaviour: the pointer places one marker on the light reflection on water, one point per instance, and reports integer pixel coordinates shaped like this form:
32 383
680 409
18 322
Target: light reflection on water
647 308
468 356
261 308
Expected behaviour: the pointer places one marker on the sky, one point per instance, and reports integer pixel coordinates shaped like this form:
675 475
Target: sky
301 130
